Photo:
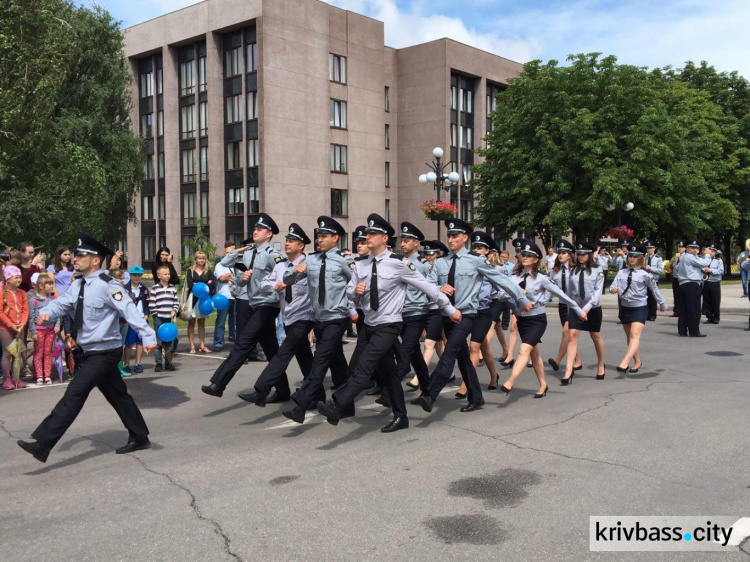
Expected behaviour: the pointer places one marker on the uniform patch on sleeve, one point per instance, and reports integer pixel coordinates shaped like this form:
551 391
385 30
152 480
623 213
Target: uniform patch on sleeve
601 273
410 265
278 259
350 263
117 295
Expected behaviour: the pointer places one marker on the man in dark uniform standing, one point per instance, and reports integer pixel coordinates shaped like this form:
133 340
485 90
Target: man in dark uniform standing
96 301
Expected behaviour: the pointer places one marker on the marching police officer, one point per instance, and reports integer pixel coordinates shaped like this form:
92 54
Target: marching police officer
264 309
655 266
379 285
299 320
712 286
690 269
96 301
674 270
327 272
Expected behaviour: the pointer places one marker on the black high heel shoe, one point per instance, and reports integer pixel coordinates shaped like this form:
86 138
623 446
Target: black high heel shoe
491 387
459 395
638 369
622 369
567 381
505 390
542 394
554 364
578 368
508 365
601 377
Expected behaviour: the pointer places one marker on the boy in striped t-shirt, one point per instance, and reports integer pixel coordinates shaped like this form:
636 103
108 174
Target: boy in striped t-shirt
163 305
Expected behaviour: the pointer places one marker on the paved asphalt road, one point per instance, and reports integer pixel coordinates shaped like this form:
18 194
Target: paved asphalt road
226 480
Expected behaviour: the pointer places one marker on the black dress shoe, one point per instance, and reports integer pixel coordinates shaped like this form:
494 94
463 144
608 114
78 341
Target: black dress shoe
683 335
601 377
275 398
555 366
697 335
426 402
330 411
416 402
715 322
471 406
460 395
622 369
383 400
255 397
212 390
396 424
652 318
296 414
35 449
132 446
674 315
377 389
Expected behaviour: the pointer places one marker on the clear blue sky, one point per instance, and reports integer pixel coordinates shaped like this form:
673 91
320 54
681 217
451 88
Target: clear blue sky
649 33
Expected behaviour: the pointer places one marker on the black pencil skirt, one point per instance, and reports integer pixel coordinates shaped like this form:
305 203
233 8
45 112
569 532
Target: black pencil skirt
628 314
532 328
593 324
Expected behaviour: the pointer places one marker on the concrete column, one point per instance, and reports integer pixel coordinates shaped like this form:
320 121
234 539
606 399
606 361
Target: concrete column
216 193
172 154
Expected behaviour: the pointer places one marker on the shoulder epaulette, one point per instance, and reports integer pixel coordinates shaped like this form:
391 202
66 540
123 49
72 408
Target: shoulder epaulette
473 253
104 277
397 256
360 258
422 260
313 253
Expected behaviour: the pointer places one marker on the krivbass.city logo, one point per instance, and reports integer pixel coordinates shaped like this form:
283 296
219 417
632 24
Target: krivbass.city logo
657 533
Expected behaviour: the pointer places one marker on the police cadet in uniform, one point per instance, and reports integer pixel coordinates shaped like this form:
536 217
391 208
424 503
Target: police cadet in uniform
655 266
379 284
460 275
690 269
672 268
264 309
96 302
299 320
712 287
327 272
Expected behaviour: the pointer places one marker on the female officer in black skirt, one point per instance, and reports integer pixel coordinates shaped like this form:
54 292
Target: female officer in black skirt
632 285
560 276
586 283
533 323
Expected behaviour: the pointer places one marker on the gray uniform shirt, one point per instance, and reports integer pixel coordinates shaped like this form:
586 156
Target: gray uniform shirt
337 275
604 261
557 278
300 308
691 267
230 261
104 300
717 270
394 275
471 269
593 283
657 265
500 294
416 302
538 290
640 283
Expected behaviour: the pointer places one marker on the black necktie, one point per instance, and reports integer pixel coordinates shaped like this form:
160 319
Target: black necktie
78 322
630 280
374 297
452 280
252 260
564 283
581 284
522 284
288 294
648 261
322 282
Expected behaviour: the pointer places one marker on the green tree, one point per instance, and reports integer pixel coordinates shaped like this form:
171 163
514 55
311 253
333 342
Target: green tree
68 159
569 142
199 243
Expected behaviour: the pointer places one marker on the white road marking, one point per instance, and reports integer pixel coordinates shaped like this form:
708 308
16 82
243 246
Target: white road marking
740 531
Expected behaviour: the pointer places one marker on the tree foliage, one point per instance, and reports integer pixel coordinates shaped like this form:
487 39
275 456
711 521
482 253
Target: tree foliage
568 143
68 159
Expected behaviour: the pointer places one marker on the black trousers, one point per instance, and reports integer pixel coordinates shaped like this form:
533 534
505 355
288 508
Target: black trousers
244 311
411 352
690 312
376 361
651 302
296 345
260 328
98 370
676 295
329 352
505 322
712 300
456 349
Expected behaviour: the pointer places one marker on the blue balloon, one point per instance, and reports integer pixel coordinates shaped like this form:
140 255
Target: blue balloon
206 307
201 291
220 302
167 332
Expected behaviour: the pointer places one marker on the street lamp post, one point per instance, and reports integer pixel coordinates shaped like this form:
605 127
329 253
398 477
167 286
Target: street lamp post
437 175
628 207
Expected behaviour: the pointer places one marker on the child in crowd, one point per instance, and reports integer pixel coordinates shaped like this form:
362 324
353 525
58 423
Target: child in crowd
163 305
44 336
119 276
139 294
14 314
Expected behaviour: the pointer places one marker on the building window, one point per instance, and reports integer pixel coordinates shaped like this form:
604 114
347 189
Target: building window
251 57
388 174
147 125
252 105
338 158
339 203
148 208
188 165
253 153
234 109
159 81
160 165
388 136
387 210
148 167
338 114
467 210
187 122
454 97
234 155
343 241
147 87
491 101
467 135
160 123
467 103
187 78
466 174
204 163
162 209
253 202
204 205
202 77
387 98
233 62
149 248
337 68
236 200
454 134
188 209
203 118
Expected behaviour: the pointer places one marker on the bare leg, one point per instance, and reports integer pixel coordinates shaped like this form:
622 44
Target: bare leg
126 355
191 334
520 365
202 333
138 353
572 351
474 356
512 339
536 360
501 338
596 337
563 349
489 358
634 340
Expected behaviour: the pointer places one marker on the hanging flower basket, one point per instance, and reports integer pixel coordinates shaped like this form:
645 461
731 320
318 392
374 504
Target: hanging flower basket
437 210
618 232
